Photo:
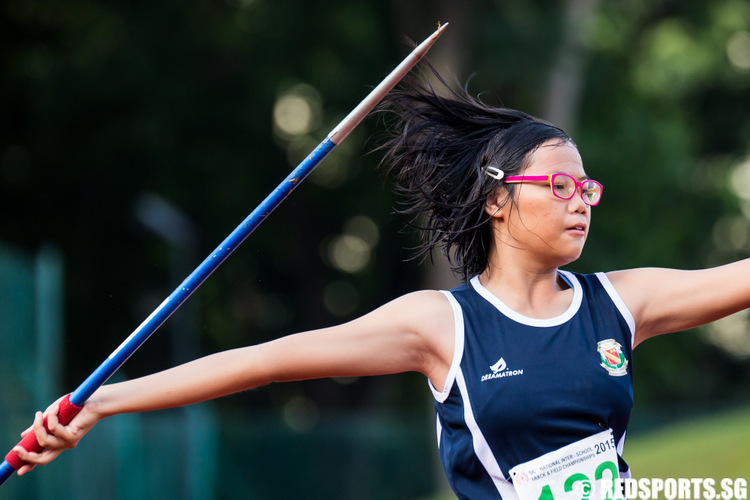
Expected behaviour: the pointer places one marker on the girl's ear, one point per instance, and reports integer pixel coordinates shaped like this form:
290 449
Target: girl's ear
493 206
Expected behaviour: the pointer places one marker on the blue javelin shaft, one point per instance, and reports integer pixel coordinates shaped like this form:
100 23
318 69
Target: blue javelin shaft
5 471
199 275
188 286
240 233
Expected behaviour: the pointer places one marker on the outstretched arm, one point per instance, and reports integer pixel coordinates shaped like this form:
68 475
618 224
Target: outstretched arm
669 300
412 333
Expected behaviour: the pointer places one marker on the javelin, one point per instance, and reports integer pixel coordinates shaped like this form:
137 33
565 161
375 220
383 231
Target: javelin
73 402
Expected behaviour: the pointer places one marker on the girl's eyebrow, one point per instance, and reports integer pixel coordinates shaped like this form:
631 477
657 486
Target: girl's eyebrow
584 177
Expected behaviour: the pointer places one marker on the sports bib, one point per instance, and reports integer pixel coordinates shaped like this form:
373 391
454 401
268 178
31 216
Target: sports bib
584 470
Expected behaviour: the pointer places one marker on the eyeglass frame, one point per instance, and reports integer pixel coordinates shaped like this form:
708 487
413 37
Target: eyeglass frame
578 186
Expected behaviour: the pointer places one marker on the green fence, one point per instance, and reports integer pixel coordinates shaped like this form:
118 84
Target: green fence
30 344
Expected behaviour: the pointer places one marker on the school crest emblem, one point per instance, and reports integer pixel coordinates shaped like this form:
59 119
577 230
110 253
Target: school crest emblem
612 358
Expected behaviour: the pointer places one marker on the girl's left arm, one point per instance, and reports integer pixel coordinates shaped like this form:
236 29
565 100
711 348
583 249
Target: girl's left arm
669 300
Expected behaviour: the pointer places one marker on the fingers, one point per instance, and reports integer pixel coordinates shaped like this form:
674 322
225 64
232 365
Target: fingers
52 435
26 468
43 436
33 459
52 438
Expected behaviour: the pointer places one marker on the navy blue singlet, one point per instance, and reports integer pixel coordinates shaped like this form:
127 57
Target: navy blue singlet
521 387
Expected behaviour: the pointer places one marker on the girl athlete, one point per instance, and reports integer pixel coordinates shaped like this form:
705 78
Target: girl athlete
524 360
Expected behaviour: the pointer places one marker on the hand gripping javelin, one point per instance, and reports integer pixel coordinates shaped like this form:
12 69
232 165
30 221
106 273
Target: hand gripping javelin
73 402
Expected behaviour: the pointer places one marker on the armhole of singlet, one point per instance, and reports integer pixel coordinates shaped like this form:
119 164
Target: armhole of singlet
458 349
620 304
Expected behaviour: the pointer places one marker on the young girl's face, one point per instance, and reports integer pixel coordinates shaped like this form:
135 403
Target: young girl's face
552 231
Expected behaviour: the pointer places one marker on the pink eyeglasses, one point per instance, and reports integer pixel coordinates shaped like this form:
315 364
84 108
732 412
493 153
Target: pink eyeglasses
564 186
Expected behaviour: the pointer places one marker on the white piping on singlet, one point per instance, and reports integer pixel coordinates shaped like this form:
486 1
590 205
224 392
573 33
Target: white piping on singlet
481 447
571 311
620 304
458 350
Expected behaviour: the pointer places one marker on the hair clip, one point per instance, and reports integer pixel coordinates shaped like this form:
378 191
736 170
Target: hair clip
494 172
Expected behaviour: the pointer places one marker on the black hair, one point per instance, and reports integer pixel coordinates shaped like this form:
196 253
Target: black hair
437 148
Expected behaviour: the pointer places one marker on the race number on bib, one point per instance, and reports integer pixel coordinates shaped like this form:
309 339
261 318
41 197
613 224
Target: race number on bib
584 470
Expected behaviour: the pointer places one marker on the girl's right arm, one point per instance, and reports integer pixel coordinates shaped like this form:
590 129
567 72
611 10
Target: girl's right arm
411 333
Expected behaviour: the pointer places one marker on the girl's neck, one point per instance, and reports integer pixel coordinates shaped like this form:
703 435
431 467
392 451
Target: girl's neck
533 293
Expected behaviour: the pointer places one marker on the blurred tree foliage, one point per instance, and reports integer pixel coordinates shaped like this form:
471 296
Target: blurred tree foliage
209 104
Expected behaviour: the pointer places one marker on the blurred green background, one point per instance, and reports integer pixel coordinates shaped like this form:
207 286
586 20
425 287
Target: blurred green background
137 135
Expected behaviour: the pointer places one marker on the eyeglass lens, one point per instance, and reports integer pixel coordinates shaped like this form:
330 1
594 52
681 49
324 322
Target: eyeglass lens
564 186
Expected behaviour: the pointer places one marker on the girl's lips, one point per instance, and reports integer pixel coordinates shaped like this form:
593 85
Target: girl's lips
581 228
